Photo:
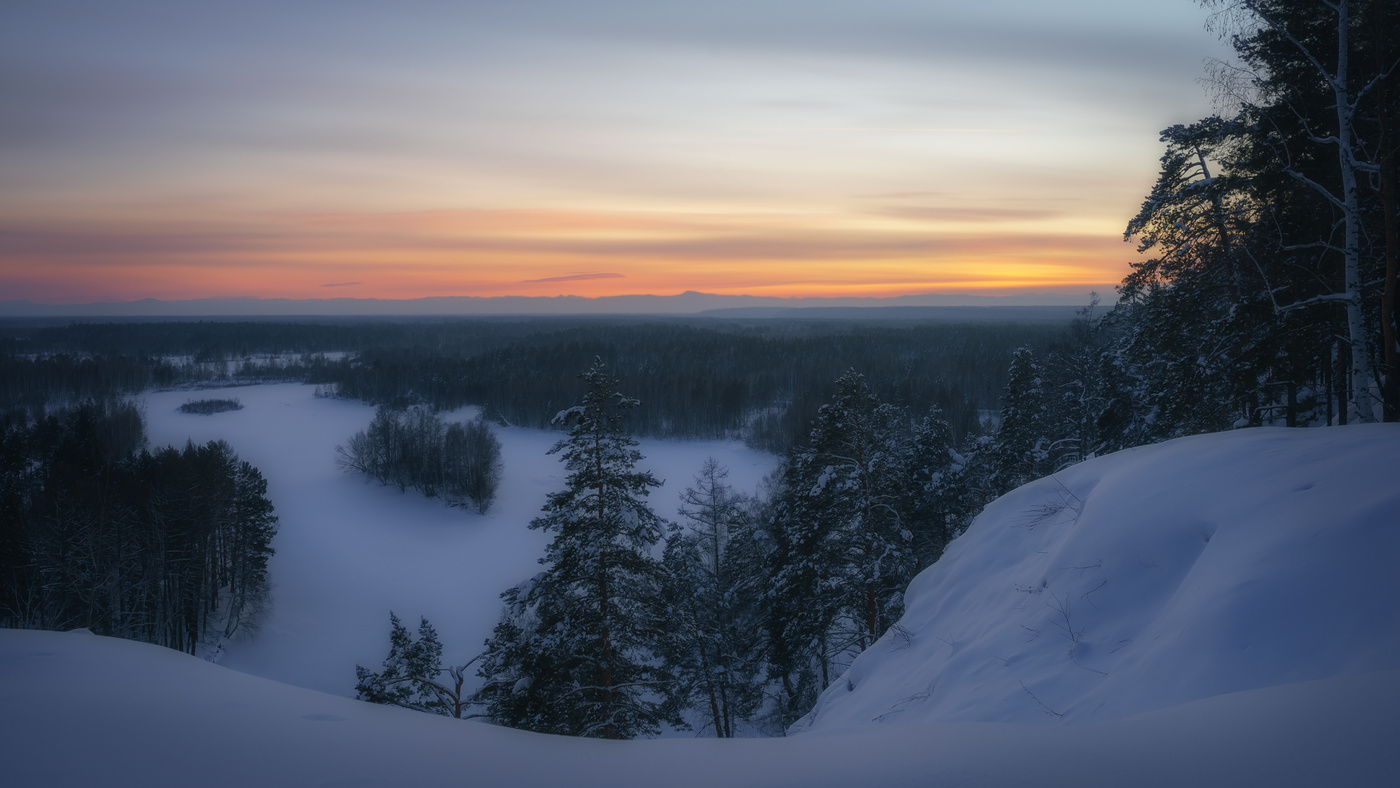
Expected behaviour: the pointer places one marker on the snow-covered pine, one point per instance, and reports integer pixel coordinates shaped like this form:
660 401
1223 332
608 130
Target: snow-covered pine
1021 451
577 651
411 676
936 511
845 551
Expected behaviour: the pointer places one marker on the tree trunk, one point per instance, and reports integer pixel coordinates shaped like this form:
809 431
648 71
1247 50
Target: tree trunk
710 689
1391 352
1361 372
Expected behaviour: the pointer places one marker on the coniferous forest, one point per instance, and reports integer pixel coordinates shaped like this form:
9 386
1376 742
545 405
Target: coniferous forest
1266 295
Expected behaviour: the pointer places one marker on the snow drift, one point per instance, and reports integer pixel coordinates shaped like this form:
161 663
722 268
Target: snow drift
81 710
1146 579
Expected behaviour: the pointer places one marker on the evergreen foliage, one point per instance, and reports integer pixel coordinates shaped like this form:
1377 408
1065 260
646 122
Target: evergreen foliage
938 507
1021 451
578 650
860 508
411 674
1268 295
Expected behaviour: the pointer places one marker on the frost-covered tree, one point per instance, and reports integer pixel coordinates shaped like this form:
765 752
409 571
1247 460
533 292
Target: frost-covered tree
577 651
411 676
714 596
845 551
1310 41
937 507
1021 450
1268 290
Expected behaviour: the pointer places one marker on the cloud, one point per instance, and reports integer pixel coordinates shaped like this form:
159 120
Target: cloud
339 284
966 214
571 278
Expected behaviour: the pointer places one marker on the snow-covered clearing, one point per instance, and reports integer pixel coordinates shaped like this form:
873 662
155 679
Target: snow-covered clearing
349 551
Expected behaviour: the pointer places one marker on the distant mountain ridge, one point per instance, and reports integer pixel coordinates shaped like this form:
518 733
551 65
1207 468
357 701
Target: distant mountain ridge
687 303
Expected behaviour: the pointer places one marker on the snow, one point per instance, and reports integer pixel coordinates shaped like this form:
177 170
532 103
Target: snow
1147 579
82 710
350 551
1229 619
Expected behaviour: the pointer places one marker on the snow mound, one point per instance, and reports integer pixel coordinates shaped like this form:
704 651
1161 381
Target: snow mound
1147 579
82 710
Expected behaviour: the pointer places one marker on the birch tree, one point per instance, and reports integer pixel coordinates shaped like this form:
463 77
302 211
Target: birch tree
1296 23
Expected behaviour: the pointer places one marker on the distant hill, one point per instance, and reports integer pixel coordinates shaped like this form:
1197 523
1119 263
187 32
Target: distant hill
1044 306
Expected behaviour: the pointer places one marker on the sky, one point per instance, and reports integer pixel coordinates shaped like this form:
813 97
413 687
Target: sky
184 149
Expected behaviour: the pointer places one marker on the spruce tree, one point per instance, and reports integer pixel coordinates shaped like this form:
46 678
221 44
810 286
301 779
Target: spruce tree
577 650
405 677
1022 447
934 511
846 551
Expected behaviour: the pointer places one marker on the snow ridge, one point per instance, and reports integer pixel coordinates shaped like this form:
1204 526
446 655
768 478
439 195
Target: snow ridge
1146 579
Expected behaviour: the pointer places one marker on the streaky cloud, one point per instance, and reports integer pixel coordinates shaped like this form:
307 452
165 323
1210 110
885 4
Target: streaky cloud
571 278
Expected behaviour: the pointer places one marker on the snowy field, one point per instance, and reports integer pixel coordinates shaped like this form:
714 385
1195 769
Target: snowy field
349 551
1212 611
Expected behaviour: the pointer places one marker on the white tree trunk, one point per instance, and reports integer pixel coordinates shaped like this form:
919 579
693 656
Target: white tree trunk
1362 377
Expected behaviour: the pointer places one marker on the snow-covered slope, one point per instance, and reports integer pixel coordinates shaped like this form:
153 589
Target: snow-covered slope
1146 579
77 710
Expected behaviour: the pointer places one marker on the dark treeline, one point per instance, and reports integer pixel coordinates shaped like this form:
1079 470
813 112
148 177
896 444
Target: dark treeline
764 383
167 546
762 380
415 448
28 384
221 340
31 384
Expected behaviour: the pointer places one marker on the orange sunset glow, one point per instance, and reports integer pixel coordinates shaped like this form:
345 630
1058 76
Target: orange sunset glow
322 152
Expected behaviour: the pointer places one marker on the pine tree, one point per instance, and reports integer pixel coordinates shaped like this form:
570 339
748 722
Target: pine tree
577 650
1021 449
935 469
410 676
847 553
715 583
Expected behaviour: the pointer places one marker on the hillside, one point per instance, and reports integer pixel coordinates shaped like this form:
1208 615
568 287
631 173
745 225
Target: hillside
1149 578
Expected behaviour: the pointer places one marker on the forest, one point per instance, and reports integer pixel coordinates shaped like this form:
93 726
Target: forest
97 531
1266 295
759 380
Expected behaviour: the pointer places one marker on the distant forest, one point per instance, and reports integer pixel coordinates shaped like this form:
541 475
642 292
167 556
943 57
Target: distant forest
762 380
